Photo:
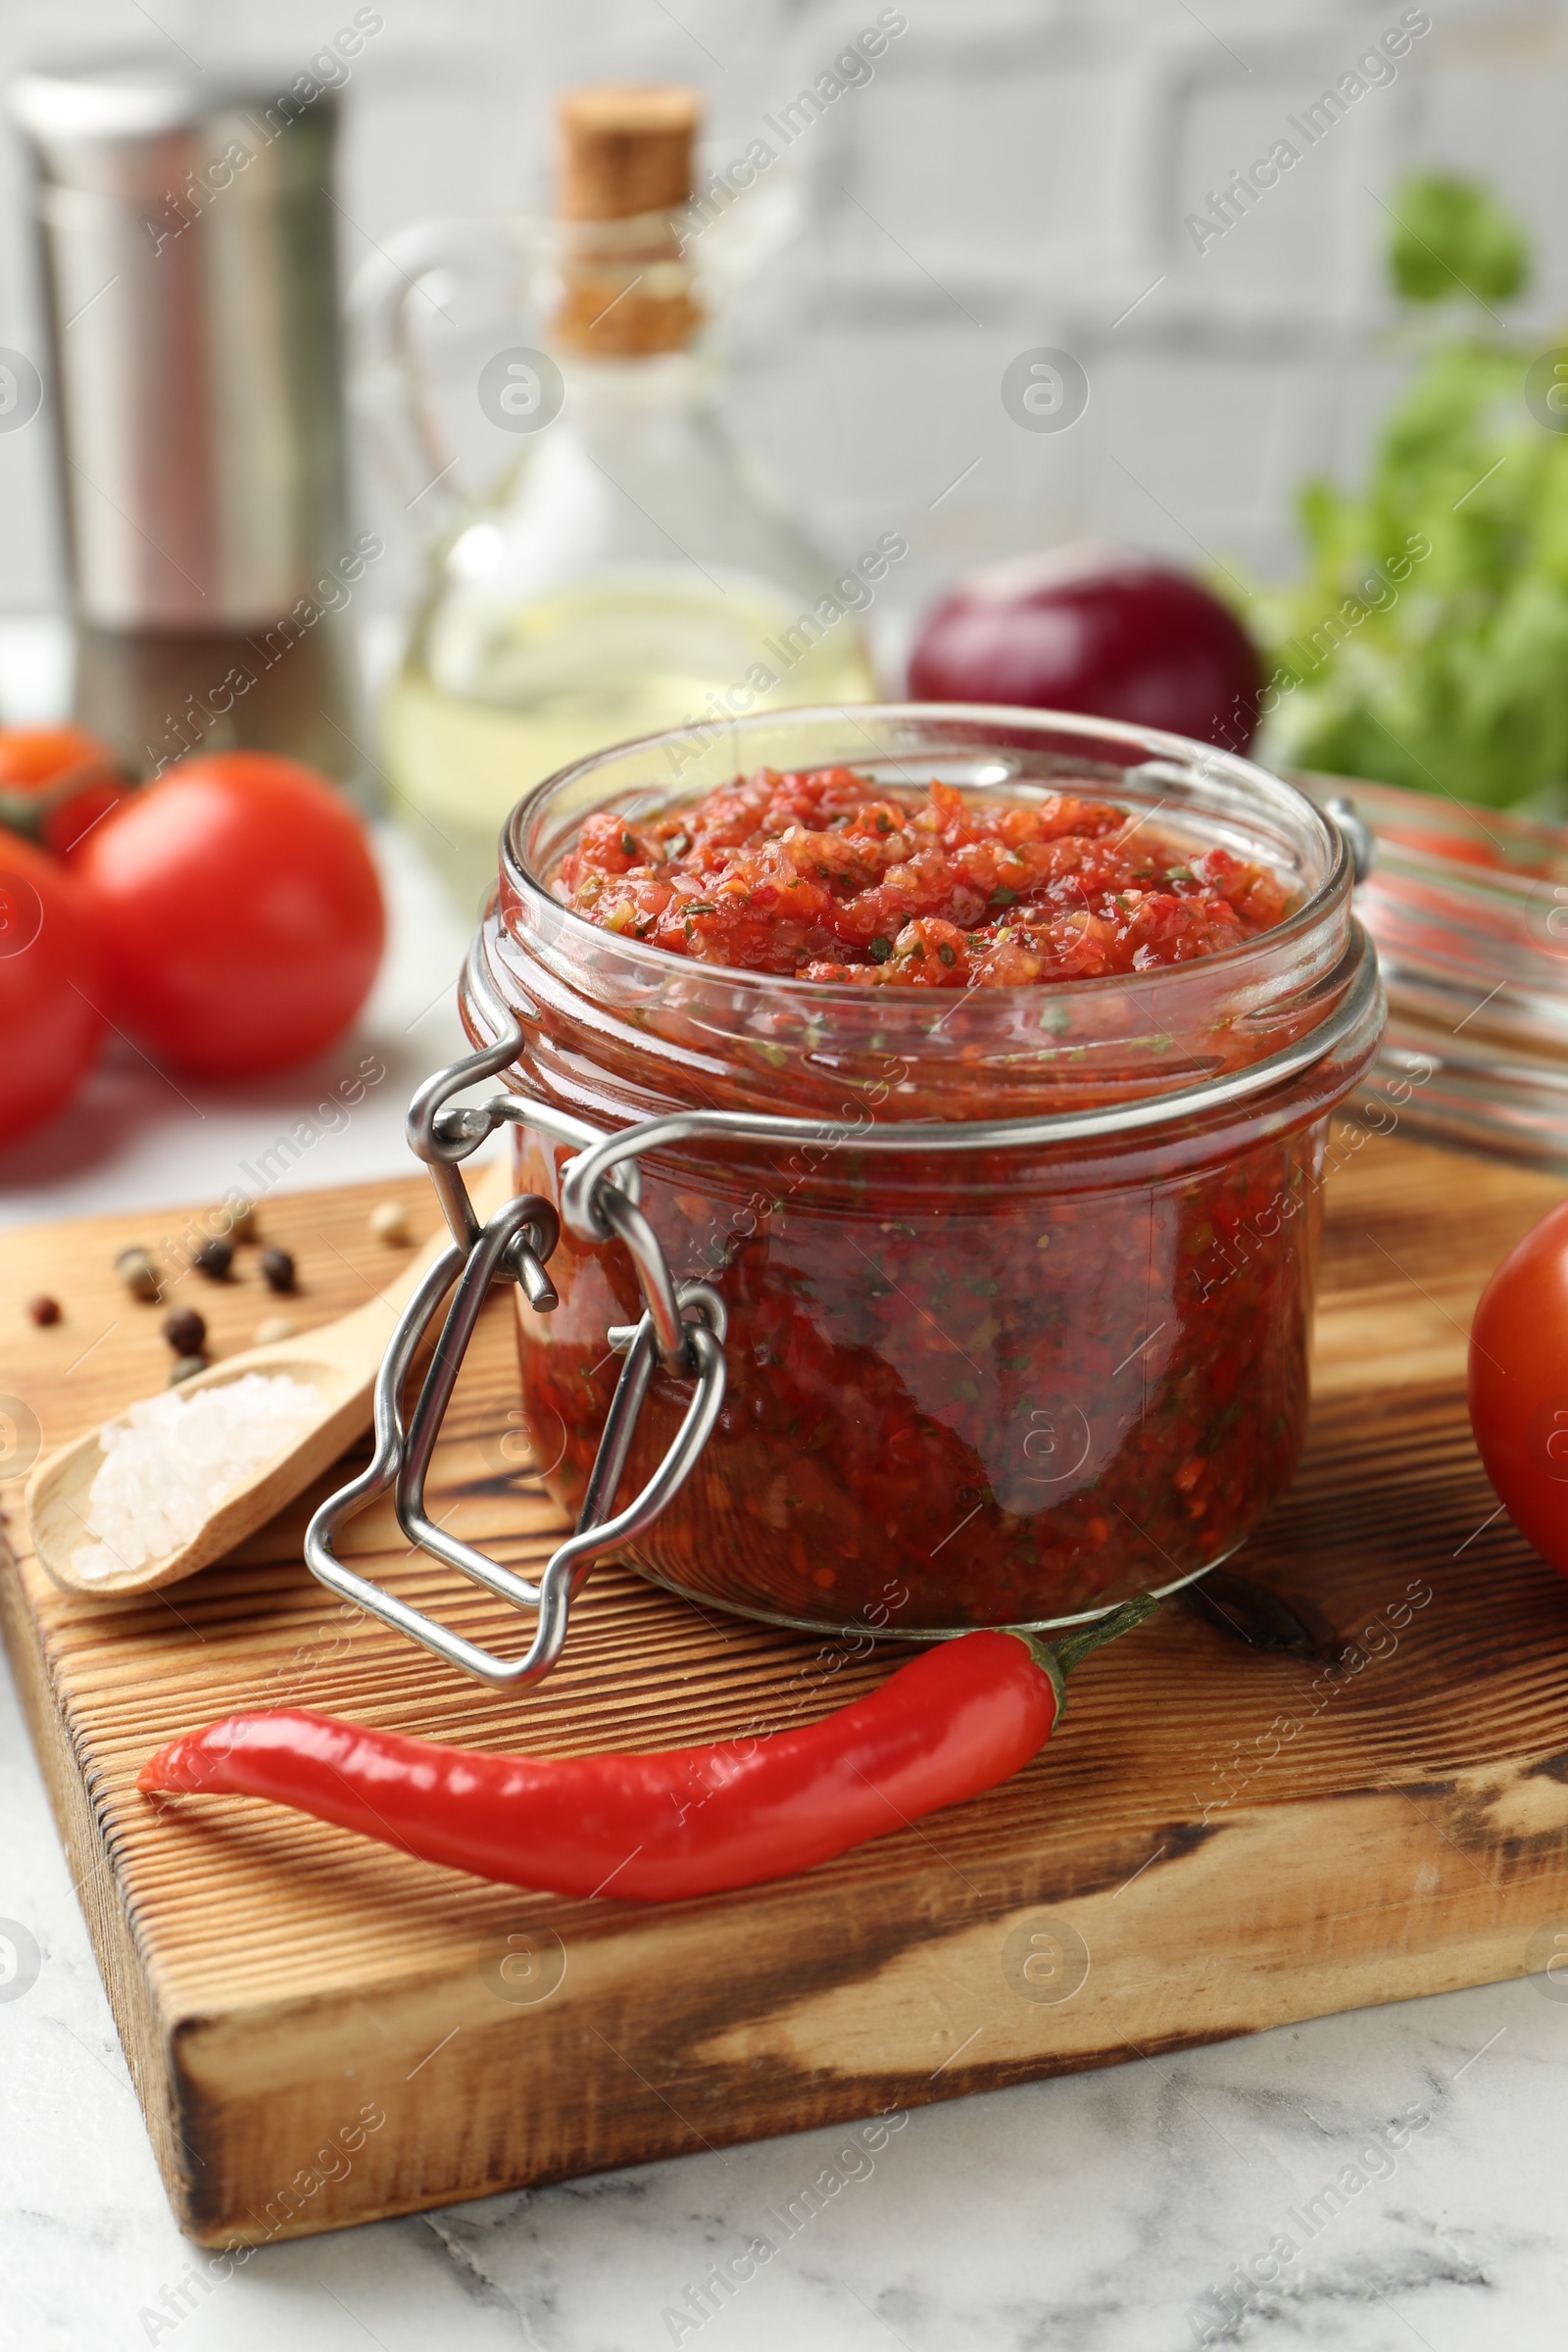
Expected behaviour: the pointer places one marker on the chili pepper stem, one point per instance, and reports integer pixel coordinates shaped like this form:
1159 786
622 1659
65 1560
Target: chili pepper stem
1057 1659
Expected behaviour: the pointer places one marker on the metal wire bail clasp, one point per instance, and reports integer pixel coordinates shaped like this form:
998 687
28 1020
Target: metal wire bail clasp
682 1325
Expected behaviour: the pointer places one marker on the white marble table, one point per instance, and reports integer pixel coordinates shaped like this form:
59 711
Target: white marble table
1100 2213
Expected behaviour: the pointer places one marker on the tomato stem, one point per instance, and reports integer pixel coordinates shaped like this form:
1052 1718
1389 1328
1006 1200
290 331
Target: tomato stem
27 809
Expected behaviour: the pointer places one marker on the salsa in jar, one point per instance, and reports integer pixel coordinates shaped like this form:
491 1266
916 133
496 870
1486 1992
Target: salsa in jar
1003 1383
825 875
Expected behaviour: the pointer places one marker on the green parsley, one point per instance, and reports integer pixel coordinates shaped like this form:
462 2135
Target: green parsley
1426 641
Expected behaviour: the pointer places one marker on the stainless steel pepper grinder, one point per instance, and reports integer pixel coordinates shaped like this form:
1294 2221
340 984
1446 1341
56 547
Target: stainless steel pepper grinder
188 231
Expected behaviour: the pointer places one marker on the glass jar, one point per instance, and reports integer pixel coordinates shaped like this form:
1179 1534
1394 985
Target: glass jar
973 1378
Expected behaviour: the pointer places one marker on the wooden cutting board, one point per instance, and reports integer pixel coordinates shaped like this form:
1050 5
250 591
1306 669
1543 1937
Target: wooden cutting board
323 2030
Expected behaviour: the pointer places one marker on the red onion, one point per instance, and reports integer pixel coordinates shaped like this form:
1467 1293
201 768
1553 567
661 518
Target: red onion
1103 630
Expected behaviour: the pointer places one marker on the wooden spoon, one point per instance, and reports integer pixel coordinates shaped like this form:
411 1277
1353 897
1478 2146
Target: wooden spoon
339 1360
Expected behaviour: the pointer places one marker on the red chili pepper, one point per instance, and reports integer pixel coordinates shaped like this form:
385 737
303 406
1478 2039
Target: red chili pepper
960 1717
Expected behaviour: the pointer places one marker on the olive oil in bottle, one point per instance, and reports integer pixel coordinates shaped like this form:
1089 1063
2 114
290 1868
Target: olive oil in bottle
629 573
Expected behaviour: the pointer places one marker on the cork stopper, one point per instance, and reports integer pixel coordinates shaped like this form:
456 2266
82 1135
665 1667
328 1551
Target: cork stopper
623 169
625 148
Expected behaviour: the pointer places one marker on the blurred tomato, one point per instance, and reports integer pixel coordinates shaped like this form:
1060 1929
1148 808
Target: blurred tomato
56 783
51 986
1519 1385
239 911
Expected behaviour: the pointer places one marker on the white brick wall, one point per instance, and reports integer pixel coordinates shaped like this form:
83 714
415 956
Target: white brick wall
1014 175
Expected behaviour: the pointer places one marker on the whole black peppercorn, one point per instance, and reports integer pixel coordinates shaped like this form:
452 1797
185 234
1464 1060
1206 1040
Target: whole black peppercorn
277 1269
138 1273
215 1257
185 1331
43 1310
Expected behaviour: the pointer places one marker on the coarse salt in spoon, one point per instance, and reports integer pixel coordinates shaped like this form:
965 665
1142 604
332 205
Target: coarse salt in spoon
200 1467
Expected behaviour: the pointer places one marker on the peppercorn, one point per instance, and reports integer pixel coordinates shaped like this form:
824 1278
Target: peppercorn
138 1273
389 1221
242 1220
272 1328
277 1269
185 1331
215 1257
43 1310
187 1369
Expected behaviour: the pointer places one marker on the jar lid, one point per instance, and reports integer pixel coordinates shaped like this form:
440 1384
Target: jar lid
1469 911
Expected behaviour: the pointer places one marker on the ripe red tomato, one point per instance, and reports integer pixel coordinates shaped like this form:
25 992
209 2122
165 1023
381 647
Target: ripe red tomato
239 911
56 783
1519 1385
51 986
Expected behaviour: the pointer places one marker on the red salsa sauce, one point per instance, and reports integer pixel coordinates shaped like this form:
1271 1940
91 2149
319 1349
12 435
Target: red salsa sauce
1000 1408
1000 1387
821 874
